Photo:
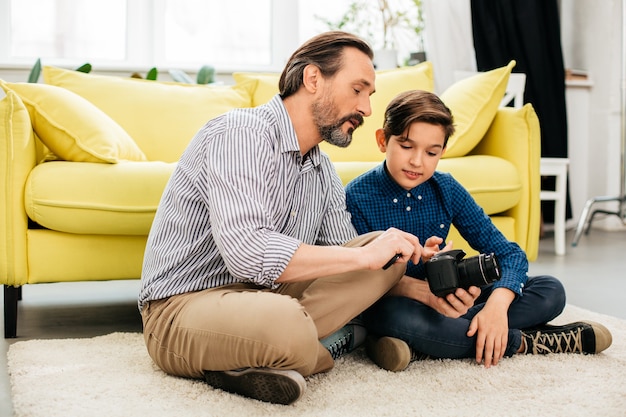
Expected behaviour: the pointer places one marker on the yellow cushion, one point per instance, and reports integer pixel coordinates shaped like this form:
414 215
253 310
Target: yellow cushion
515 135
389 83
265 87
473 102
505 224
109 199
494 193
161 117
349 170
73 128
494 182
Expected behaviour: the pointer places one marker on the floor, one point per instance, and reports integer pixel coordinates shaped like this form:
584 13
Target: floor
592 273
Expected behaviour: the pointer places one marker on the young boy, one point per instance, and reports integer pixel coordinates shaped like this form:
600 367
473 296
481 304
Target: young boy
506 317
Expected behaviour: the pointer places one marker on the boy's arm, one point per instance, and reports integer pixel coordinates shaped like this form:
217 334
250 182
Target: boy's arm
453 305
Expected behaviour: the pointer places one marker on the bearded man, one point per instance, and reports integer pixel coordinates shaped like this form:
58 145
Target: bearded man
252 258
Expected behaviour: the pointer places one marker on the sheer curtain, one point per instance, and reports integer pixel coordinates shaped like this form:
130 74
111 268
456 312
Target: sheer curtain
449 40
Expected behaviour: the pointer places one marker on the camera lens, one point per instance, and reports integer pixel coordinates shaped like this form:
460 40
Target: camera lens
478 270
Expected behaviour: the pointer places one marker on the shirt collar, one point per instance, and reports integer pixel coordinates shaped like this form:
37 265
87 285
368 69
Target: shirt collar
288 132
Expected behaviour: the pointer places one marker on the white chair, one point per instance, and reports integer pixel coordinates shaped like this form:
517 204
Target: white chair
549 167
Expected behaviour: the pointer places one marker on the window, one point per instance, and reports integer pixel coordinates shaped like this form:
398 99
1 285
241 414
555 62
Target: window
230 35
223 33
68 29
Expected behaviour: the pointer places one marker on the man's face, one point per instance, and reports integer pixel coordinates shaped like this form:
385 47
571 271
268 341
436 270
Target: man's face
345 99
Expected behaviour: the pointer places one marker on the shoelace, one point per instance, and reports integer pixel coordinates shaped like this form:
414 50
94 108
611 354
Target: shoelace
557 342
340 346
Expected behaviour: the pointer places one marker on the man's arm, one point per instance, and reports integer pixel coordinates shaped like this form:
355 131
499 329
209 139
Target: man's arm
311 262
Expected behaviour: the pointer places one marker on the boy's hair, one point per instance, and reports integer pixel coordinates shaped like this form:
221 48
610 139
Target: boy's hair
417 106
325 51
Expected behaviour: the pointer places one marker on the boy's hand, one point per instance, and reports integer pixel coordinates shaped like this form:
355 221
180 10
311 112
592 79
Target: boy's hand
491 328
456 304
431 247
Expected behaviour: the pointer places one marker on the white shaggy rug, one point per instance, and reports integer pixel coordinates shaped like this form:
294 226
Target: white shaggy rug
113 376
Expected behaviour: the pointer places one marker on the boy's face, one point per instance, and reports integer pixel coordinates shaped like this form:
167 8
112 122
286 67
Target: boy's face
413 156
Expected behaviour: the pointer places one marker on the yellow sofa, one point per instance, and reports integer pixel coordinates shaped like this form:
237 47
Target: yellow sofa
84 159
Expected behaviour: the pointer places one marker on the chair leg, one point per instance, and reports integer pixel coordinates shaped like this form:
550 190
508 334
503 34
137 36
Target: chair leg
11 296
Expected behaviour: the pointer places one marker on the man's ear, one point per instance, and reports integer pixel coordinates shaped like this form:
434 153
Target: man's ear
311 78
381 141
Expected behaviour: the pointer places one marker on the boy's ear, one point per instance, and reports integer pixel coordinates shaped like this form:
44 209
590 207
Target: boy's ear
381 141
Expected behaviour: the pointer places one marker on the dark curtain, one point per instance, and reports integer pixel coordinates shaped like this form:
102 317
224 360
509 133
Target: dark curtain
528 31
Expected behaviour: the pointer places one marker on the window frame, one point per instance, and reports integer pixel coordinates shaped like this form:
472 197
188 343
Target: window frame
142 52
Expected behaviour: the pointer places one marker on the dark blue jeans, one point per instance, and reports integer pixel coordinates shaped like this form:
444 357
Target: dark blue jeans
427 331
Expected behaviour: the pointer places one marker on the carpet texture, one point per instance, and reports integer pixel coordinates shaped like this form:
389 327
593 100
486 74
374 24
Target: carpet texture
112 375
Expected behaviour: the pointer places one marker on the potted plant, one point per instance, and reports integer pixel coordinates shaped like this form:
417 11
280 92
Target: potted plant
386 24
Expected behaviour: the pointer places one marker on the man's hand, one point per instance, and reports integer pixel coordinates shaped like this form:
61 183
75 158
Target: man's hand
390 243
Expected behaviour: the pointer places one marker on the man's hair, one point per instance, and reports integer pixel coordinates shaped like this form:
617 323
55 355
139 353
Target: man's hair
325 51
417 106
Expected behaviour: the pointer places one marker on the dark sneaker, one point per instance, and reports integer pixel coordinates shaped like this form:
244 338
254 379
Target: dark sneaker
578 337
390 353
263 384
345 340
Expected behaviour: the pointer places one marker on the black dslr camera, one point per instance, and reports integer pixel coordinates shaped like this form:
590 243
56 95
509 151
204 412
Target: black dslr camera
447 271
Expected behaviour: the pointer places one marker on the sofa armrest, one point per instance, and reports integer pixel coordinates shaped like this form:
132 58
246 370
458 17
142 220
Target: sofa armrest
17 159
515 136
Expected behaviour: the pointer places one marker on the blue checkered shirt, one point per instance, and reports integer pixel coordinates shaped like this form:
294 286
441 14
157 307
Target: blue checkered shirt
377 202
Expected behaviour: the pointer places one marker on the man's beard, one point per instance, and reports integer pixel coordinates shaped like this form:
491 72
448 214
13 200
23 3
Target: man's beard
323 111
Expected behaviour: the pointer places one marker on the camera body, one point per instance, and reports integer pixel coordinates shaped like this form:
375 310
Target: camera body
447 271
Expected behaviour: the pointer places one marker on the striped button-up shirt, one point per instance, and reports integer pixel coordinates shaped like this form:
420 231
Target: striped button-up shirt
240 202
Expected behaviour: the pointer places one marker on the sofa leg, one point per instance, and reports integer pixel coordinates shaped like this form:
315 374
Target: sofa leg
11 296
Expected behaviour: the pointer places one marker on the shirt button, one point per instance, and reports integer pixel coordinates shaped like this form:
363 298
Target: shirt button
293 213
408 195
408 208
441 226
395 200
419 197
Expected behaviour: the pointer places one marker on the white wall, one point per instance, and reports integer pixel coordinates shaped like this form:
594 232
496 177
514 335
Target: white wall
591 32
591 35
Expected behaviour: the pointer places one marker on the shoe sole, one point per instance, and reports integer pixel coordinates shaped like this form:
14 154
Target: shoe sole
263 384
389 353
603 336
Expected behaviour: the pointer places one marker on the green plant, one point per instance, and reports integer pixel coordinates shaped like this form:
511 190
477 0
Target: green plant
86 68
381 22
35 71
150 75
206 75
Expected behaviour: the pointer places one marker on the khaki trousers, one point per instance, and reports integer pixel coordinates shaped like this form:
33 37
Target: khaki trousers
241 325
